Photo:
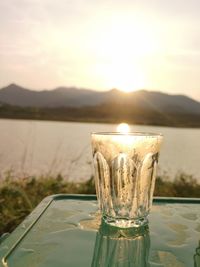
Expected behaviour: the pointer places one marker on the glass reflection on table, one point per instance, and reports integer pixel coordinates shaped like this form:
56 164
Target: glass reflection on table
118 247
197 256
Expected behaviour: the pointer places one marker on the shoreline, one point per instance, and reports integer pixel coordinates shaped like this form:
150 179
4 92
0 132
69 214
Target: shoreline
98 122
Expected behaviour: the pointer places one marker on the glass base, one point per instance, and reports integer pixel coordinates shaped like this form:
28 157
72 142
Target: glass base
125 223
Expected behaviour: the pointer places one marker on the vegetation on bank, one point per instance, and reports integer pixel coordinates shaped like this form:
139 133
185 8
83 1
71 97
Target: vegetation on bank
104 113
18 197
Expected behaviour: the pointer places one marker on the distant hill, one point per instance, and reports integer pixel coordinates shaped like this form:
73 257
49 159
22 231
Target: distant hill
59 97
73 97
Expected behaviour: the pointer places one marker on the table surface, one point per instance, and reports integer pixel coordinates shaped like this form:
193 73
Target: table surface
66 230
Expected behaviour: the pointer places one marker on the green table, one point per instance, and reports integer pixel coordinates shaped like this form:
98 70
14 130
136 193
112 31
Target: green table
64 230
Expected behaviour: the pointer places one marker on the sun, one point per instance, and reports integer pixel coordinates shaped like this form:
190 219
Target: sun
125 47
126 77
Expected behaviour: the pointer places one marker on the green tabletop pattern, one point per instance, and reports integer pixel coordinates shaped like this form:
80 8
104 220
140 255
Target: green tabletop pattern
66 230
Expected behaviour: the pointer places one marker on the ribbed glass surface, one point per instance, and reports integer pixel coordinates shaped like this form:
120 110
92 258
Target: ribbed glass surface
125 173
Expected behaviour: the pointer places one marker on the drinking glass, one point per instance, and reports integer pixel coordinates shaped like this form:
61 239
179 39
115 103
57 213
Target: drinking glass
125 172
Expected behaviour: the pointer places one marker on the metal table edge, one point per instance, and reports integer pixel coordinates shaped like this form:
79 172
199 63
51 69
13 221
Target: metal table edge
155 199
52 198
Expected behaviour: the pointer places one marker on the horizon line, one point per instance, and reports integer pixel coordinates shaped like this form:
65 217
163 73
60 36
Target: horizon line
95 90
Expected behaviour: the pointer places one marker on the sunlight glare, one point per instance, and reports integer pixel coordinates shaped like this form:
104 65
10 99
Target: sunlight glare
123 128
124 76
125 46
127 77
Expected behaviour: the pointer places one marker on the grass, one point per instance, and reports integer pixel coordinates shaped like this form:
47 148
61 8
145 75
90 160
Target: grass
18 197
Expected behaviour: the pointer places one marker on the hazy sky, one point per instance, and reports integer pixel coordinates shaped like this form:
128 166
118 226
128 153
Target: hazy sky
101 44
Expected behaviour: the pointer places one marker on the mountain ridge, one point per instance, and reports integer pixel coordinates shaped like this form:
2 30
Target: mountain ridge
62 96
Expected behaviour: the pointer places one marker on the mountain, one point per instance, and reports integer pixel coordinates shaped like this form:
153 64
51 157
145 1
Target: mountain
61 96
74 97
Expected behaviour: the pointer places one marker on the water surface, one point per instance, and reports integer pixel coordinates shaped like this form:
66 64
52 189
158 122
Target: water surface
40 147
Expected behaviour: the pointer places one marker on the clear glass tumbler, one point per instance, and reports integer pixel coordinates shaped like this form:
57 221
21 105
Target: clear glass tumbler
125 172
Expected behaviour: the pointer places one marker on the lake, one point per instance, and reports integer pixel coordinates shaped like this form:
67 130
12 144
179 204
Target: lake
40 147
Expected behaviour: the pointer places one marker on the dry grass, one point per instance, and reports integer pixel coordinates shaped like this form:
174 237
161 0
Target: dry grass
18 197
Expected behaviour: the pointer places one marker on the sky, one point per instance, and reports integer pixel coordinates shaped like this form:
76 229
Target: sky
101 44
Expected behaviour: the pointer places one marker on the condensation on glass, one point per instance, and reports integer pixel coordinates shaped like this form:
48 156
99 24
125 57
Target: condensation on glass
125 172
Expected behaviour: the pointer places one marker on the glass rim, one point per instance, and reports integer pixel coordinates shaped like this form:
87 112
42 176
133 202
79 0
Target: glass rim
150 134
